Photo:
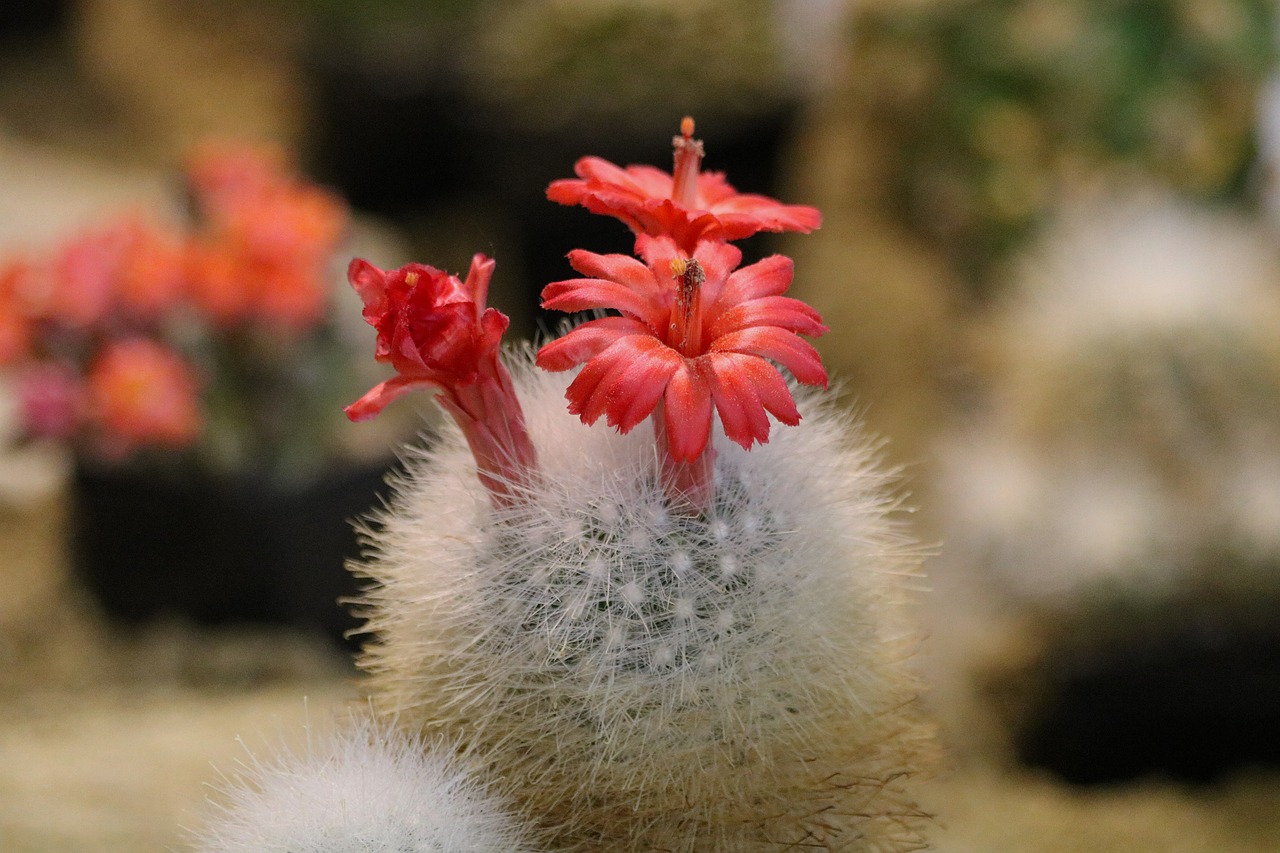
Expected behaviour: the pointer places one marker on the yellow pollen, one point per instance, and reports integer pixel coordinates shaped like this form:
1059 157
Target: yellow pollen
411 278
691 276
678 266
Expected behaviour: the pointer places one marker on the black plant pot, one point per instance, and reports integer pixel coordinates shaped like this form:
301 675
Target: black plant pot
221 550
1198 708
1183 686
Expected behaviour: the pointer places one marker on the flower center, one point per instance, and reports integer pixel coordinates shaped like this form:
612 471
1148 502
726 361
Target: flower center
688 159
686 313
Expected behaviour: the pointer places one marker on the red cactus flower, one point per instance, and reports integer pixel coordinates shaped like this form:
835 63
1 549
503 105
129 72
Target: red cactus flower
695 334
687 205
437 333
432 328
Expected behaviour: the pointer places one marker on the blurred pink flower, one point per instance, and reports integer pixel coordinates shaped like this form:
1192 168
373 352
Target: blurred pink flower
141 392
50 399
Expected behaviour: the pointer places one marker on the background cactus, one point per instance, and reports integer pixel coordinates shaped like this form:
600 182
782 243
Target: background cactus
1117 502
1135 403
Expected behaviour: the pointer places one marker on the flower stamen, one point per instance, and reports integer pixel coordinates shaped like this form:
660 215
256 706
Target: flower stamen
688 154
686 313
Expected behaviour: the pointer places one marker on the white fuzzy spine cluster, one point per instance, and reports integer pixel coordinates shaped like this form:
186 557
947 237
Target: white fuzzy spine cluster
647 681
364 788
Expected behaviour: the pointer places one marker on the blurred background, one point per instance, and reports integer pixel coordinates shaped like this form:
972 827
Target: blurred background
1048 262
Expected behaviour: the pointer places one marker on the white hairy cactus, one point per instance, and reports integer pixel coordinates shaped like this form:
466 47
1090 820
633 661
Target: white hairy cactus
644 679
361 789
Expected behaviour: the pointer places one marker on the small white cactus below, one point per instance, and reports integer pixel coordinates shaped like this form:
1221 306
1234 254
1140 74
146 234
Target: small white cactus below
361 789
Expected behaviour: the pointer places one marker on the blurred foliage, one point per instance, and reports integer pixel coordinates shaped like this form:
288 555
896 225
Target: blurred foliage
991 109
627 63
549 64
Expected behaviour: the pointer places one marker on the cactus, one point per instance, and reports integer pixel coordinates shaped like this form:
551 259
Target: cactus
1136 398
655 681
360 788
691 640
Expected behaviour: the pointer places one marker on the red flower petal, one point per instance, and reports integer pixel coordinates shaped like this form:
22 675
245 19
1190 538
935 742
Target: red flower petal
377 398
781 311
769 277
748 214
737 402
623 269
493 325
786 348
714 188
586 294
625 381
769 385
586 342
477 284
597 174
643 180
640 386
688 412
772 388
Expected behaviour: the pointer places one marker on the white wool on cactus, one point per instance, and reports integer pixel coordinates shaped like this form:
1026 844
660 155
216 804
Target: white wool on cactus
647 679
362 789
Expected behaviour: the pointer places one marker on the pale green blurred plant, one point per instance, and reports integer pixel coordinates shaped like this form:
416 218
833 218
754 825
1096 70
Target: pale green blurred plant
990 109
